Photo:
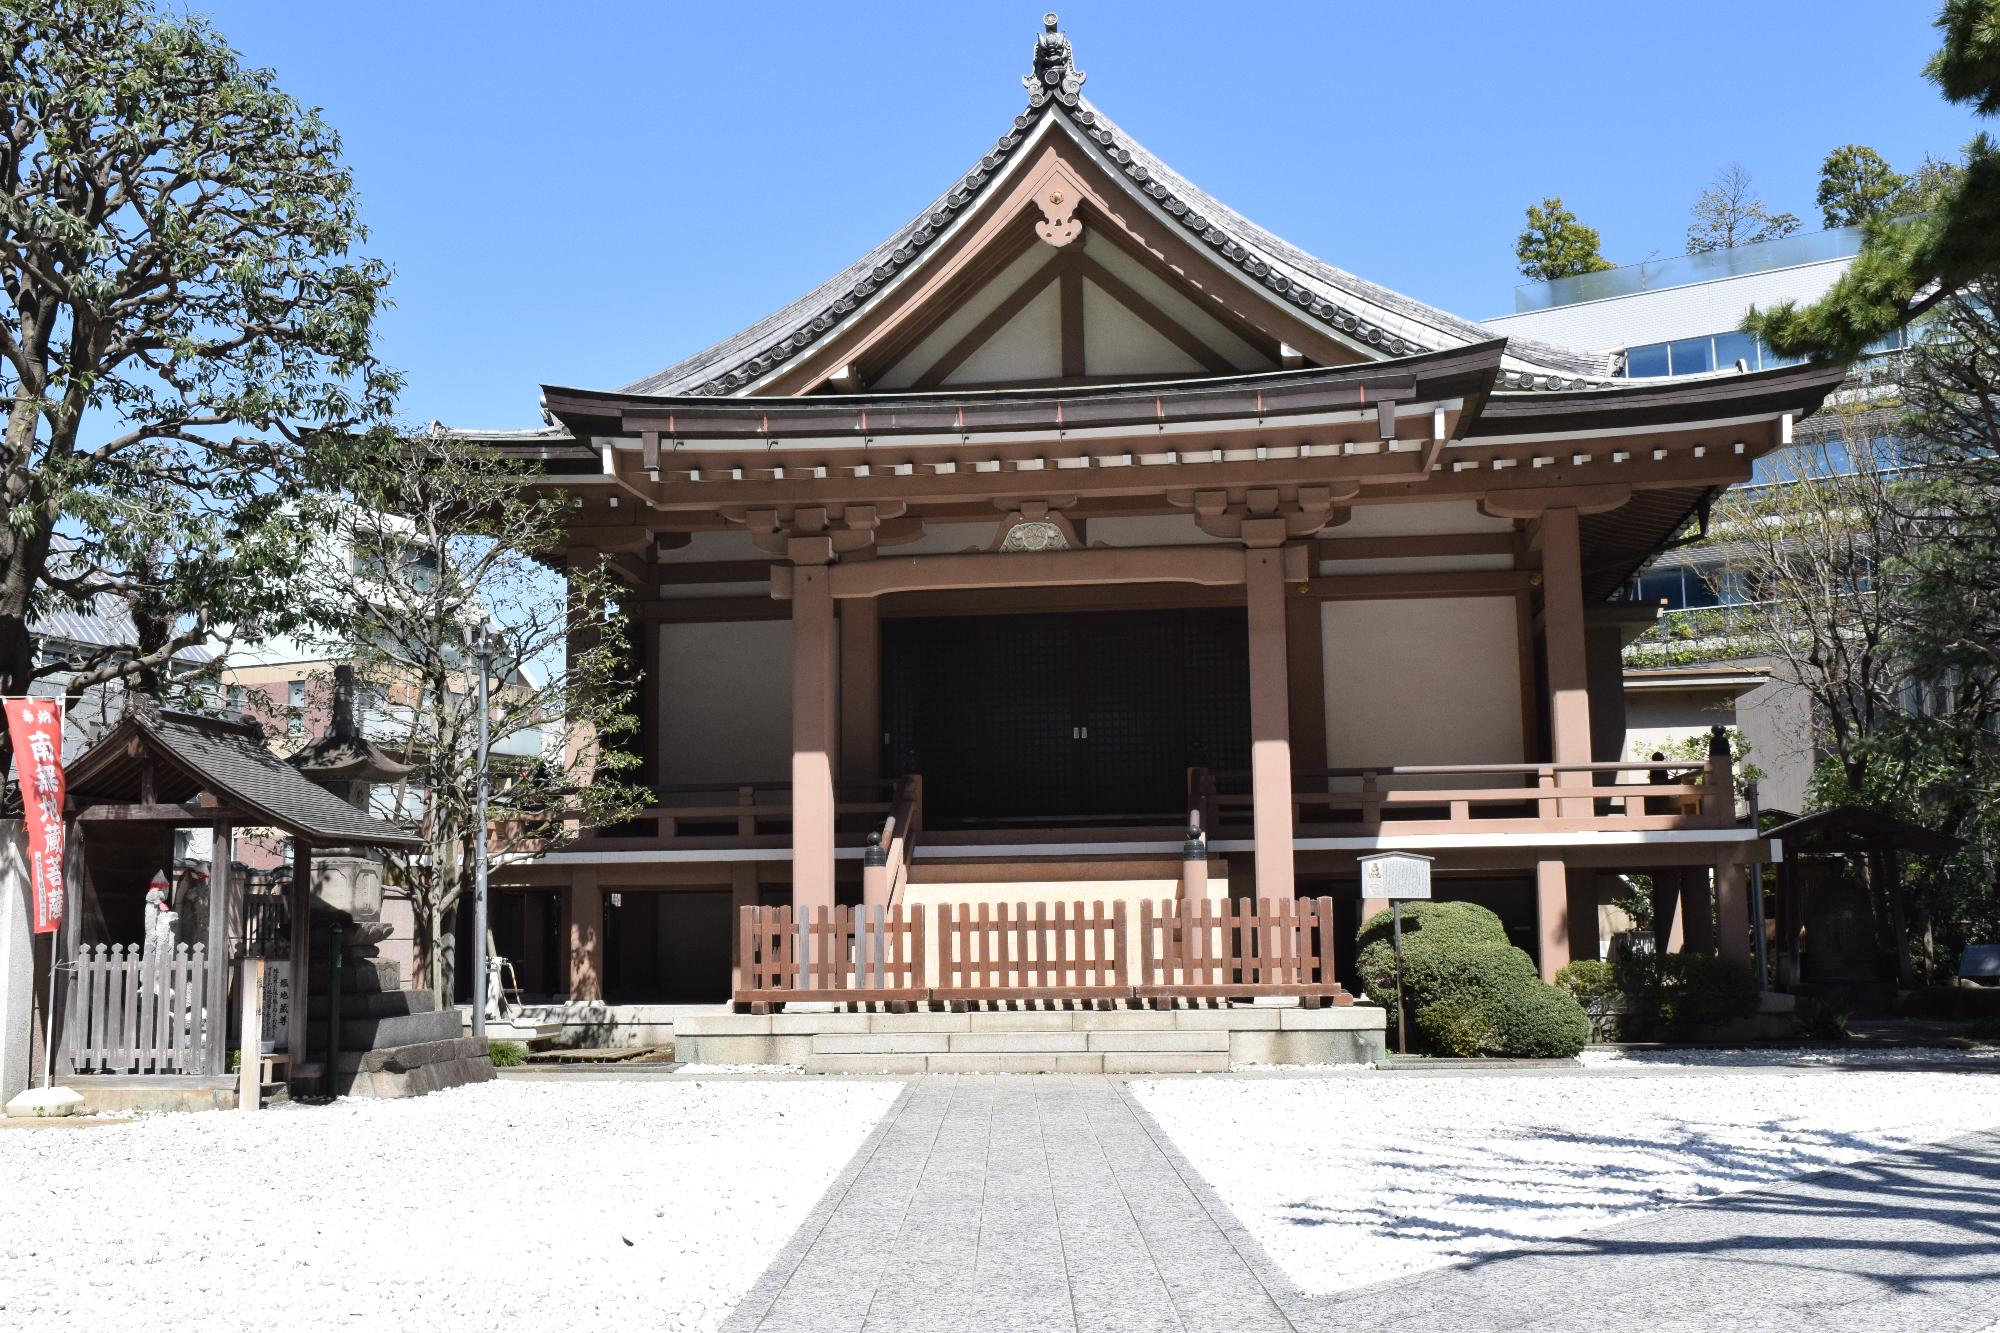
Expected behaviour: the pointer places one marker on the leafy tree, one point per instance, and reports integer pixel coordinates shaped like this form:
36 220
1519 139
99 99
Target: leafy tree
1729 213
1908 267
182 319
1856 184
1923 189
441 541
1555 245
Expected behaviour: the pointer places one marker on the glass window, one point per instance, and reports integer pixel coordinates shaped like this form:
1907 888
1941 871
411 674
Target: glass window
1733 347
1692 356
1888 342
1646 362
1704 587
1662 587
1770 360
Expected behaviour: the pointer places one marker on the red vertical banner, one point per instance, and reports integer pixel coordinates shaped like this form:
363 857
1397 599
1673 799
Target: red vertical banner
36 726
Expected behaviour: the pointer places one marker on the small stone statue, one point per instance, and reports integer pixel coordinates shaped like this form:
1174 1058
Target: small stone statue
160 917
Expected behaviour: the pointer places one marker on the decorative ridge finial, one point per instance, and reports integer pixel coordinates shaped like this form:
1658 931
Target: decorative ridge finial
1056 74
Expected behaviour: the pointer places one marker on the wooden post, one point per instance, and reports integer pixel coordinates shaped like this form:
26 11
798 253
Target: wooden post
860 690
742 894
221 889
1697 914
813 706
1551 917
1732 908
1667 915
586 937
1270 724
250 1065
1563 632
295 1037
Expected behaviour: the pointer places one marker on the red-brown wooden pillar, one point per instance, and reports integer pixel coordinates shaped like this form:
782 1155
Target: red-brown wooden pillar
1551 917
1270 713
585 902
814 712
1563 636
1732 909
860 690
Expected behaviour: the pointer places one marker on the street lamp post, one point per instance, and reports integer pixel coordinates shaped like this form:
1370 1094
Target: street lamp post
483 649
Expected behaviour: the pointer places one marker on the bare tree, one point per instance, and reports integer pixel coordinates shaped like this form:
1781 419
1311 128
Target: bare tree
1729 213
445 545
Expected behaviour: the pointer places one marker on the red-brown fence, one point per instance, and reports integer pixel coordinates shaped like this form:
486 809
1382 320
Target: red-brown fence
1236 949
855 955
1002 952
1005 953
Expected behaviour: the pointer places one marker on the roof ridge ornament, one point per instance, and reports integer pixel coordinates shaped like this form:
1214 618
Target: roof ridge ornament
1056 75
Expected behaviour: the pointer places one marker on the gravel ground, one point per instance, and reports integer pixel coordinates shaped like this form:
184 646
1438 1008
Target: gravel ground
532 1205
1818 1057
1347 1181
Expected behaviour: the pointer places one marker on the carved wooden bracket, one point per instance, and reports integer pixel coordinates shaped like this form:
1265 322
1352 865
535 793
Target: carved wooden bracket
1057 195
845 528
1036 526
1275 514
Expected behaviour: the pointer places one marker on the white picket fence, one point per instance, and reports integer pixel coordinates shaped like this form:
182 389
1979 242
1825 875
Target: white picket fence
131 1014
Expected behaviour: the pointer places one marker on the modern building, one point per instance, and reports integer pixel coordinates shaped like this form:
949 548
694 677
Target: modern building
1082 509
1683 316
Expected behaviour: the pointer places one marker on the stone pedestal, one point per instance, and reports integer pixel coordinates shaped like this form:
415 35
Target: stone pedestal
394 1041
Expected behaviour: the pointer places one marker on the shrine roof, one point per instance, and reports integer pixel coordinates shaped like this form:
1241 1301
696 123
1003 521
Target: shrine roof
1377 321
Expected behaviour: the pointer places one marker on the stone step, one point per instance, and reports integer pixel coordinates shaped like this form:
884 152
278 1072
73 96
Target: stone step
399 1029
376 1003
1028 1044
412 1070
1022 1062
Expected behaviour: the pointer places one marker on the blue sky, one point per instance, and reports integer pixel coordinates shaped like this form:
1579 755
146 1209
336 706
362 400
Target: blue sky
579 194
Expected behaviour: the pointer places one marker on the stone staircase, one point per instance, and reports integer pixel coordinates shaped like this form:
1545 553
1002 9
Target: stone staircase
1045 1041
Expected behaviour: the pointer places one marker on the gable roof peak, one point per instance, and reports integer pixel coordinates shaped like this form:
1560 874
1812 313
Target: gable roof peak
1055 75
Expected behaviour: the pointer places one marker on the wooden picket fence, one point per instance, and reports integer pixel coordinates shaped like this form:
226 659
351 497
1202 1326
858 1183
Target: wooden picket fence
856 955
133 1014
1185 951
1198 949
994 953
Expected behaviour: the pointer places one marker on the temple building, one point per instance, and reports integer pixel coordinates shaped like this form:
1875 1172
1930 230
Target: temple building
1083 531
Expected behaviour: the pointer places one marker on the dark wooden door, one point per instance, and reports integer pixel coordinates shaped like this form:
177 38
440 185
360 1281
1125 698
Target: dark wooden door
1012 719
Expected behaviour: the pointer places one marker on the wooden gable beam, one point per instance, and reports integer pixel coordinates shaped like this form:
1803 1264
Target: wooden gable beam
985 330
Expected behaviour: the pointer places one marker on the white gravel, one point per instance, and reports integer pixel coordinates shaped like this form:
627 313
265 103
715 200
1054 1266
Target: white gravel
1346 1181
534 1205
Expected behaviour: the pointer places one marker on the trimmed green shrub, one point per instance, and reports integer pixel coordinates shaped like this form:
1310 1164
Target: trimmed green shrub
1699 990
1538 1023
1470 991
1455 1028
1588 980
506 1054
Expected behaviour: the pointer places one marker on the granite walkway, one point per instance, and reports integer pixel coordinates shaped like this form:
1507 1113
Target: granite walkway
1054 1203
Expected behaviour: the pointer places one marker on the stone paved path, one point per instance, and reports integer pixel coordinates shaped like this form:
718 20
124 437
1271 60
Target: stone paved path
1011 1203
1054 1203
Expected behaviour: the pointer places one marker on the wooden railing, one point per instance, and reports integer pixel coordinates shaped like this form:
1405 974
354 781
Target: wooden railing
1006 952
1039 953
721 815
128 1013
845 954
1238 948
885 866
1489 798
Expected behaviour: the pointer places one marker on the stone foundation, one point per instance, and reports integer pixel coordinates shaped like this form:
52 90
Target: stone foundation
1082 1041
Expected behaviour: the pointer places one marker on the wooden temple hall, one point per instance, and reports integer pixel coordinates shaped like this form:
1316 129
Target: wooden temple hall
1086 541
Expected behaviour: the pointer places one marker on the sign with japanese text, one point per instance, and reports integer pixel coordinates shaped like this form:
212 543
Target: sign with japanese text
276 1029
36 726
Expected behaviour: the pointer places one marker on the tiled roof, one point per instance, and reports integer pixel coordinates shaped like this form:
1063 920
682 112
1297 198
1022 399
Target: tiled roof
1352 308
228 759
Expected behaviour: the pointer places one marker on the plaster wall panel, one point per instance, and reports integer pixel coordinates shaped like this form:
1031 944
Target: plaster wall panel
1431 681
726 701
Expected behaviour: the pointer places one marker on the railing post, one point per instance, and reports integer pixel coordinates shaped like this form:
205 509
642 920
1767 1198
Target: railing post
1718 798
746 822
875 871
1194 863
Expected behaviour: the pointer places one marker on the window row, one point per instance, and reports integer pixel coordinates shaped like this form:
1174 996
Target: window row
1720 351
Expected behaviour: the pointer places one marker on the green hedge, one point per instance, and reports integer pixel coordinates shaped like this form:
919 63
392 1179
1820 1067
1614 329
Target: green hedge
1470 991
